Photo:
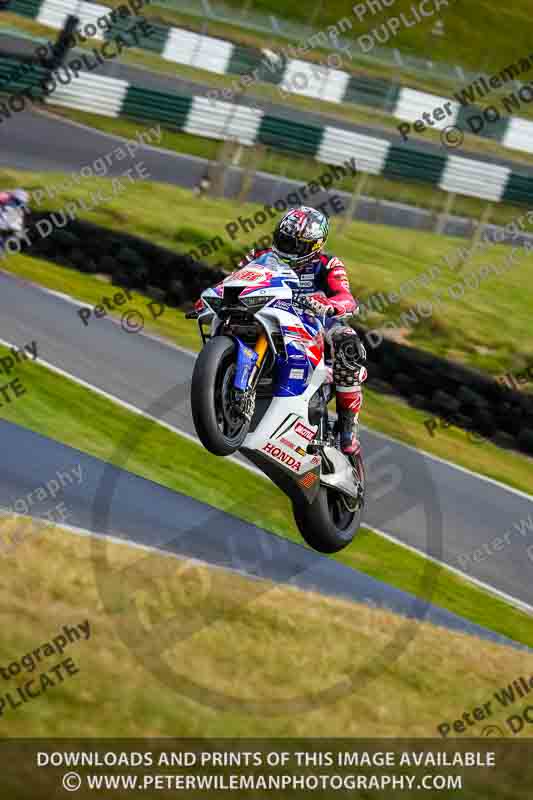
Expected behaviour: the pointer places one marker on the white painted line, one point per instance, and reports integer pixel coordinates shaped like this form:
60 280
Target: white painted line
77 531
380 435
192 354
81 304
171 153
508 598
135 410
452 465
514 601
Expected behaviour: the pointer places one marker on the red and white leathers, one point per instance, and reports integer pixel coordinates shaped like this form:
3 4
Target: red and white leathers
324 280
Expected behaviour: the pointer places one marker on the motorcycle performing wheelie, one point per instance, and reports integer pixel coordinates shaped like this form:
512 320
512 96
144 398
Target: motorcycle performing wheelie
261 386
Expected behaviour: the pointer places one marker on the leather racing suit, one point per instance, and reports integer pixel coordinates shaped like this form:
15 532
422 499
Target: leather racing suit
324 279
13 208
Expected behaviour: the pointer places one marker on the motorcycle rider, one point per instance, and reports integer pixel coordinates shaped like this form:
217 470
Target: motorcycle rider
17 199
299 240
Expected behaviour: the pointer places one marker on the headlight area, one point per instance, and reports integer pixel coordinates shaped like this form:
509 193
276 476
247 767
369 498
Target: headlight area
256 301
213 303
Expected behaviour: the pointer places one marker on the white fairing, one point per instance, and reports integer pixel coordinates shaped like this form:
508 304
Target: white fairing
11 219
284 431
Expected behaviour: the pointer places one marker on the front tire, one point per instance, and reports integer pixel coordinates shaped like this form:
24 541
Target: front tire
219 427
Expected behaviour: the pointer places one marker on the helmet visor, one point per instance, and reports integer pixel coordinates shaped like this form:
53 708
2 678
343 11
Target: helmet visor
293 247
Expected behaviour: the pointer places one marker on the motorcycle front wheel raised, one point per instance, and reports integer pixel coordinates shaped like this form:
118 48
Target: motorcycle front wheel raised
329 523
219 426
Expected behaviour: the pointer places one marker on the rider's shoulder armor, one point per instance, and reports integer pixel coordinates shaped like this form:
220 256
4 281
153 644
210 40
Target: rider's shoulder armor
330 262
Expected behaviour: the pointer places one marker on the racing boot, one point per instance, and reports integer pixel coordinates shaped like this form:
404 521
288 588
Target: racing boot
349 430
348 404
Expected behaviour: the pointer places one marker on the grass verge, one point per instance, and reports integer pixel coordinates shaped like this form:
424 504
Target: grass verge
268 646
486 327
60 409
473 146
381 412
301 168
480 36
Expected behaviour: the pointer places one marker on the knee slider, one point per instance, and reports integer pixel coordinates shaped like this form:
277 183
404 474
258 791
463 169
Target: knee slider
349 349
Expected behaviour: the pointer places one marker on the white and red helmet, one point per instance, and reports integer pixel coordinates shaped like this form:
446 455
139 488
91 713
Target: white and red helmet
300 235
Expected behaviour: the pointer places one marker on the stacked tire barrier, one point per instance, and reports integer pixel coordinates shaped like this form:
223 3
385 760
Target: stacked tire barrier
455 394
295 76
468 399
130 261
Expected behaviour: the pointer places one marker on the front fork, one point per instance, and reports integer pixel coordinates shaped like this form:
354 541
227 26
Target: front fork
249 367
261 348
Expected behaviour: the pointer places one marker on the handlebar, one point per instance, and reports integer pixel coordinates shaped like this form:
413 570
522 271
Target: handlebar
192 314
304 303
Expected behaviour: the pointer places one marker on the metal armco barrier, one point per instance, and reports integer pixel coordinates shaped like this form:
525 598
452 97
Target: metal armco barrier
295 76
326 144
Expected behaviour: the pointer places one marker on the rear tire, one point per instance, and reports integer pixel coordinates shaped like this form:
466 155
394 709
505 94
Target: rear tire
326 524
219 428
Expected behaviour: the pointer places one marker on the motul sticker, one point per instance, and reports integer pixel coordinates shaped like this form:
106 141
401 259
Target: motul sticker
280 455
305 433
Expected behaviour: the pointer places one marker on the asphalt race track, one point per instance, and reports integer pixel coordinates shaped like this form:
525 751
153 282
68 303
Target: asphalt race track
155 81
68 148
148 514
437 508
433 506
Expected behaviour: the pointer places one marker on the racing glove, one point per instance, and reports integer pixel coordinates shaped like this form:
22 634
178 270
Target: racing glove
320 304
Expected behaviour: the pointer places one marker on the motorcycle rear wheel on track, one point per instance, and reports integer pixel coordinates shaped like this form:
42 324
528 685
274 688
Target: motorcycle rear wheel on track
330 523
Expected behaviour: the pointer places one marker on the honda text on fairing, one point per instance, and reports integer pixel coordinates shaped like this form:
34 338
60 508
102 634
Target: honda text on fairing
261 385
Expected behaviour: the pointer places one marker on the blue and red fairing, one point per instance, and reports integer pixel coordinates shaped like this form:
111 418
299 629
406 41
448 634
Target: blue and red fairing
304 343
